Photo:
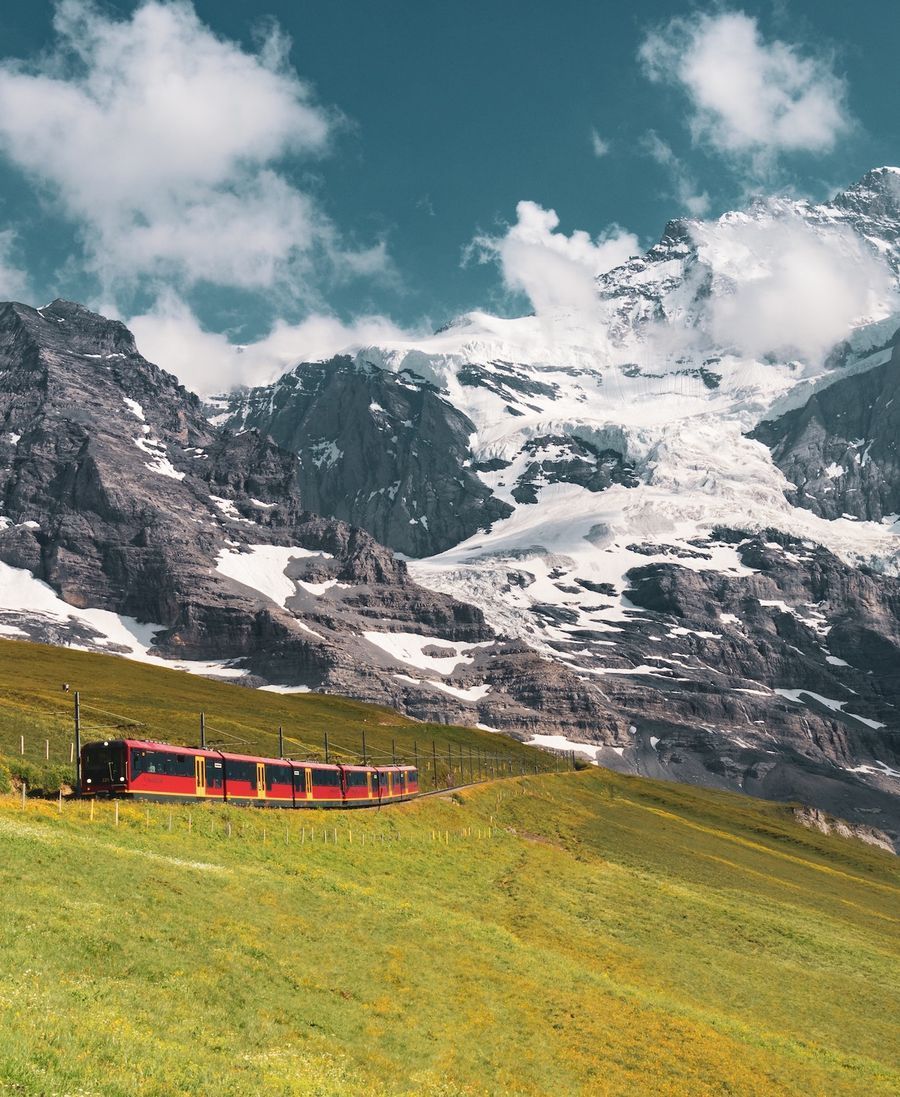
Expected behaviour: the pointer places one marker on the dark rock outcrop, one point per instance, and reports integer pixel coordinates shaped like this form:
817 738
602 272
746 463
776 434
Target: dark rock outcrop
841 450
380 450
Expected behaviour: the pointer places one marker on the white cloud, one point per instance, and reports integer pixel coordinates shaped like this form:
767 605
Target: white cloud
783 287
555 271
163 142
749 97
13 280
687 193
600 147
206 362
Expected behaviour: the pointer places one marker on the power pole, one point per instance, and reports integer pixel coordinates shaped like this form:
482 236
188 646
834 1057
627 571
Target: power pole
77 743
280 741
326 747
364 747
203 731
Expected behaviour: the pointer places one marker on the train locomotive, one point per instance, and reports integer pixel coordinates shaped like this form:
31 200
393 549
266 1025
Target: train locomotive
158 771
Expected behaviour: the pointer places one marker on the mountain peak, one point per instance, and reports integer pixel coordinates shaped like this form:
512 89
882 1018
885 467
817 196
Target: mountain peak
877 194
111 336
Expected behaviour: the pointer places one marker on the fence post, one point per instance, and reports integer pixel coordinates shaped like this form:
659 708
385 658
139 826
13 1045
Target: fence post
24 788
117 812
21 744
47 749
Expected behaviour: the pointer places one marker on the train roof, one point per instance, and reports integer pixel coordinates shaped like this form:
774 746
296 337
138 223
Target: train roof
207 752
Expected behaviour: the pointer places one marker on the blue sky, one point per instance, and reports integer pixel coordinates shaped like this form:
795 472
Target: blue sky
385 137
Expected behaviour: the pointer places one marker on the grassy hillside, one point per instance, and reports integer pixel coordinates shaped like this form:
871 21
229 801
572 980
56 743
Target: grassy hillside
572 933
121 698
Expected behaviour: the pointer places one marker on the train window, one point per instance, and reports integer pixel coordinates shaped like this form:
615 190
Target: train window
178 765
147 761
241 771
277 775
329 777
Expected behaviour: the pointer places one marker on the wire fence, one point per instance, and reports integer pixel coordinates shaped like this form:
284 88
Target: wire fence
308 829
442 763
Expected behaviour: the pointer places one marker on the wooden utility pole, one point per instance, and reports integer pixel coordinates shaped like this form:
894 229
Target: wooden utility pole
203 731
77 743
364 747
393 751
434 761
280 741
326 746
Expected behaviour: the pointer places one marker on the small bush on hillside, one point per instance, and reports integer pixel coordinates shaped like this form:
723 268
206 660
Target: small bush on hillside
42 779
5 778
582 763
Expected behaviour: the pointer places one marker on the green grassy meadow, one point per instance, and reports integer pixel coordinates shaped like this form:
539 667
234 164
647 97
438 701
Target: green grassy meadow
571 933
561 933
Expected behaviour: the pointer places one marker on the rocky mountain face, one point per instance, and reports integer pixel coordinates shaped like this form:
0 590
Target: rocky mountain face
129 523
380 450
641 532
840 451
668 537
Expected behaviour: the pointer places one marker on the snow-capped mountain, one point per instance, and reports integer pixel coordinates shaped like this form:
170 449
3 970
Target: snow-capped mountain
662 529
130 524
611 487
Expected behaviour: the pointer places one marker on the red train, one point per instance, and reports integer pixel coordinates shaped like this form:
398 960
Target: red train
158 771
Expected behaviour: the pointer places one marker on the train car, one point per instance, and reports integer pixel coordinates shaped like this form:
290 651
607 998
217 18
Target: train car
152 771
317 785
360 786
397 782
159 771
409 777
263 781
